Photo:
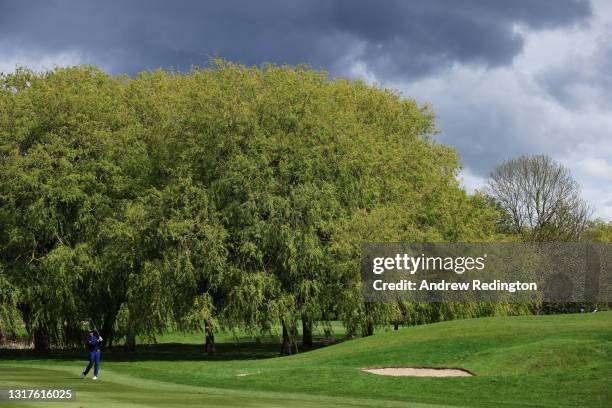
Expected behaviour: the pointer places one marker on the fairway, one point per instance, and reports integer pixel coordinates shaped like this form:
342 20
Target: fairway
122 391
518 362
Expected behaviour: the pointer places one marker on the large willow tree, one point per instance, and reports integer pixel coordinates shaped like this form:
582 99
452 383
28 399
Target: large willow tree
230 196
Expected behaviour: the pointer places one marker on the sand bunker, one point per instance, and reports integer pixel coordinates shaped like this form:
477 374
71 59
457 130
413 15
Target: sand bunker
419 372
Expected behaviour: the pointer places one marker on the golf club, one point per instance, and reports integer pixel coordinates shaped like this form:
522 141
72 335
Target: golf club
94 325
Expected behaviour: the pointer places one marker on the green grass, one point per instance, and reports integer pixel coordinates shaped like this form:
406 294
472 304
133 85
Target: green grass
532 361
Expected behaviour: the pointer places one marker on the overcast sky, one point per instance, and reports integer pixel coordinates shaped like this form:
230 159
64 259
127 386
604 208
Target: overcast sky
505 78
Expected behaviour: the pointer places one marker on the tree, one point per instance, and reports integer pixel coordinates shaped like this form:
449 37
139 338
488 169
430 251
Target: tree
63 140
9 315
540 199
224 197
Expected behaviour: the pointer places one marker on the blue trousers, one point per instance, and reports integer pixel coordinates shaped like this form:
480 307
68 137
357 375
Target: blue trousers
94 360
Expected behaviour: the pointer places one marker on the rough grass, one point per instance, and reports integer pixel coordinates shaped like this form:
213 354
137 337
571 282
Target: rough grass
531 361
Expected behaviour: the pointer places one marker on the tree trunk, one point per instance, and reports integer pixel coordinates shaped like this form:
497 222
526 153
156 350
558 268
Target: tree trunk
396 326
368 329
130 342
285 348
368 326
289 345
294 337
41 340
306 333
107 329
210 338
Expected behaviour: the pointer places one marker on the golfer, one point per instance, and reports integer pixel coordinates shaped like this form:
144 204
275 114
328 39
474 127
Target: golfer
93 343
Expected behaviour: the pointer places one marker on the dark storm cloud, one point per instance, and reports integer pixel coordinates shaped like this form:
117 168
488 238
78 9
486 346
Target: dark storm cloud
412 39
401 39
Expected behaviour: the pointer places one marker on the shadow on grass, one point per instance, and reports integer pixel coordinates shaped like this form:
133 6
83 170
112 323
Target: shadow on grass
165 352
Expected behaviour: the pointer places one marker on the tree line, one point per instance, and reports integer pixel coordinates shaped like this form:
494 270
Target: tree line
226 197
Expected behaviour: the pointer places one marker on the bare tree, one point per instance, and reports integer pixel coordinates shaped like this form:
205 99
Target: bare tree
540 198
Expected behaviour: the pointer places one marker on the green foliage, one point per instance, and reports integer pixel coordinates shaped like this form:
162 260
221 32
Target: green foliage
9 316
599 231
229 196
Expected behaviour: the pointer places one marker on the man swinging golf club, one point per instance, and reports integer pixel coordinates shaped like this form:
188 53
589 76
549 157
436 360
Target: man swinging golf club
93 344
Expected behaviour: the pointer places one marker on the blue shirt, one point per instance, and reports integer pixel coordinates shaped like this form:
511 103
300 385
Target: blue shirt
93 343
